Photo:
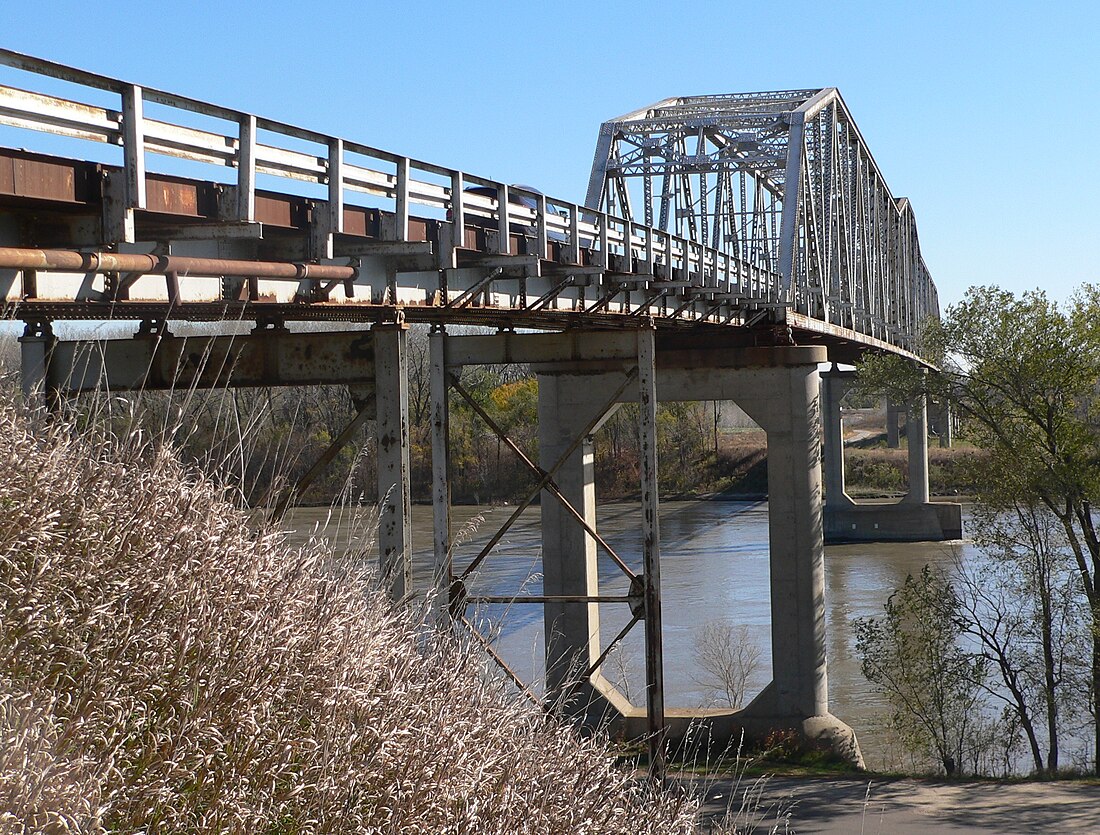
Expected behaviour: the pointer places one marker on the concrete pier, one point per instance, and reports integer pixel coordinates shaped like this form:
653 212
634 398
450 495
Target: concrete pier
571 407
912 519
893 430
941 423
916 433
833 388
582 379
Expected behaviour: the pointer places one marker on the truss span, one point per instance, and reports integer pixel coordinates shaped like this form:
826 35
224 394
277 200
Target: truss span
762 213
784 181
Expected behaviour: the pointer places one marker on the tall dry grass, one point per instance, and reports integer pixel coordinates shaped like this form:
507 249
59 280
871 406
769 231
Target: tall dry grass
165 667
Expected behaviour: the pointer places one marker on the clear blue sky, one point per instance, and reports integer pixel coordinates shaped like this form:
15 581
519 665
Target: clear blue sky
983 114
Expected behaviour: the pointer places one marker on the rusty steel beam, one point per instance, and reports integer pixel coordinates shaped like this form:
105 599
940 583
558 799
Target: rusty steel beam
64 260
263 358
34 177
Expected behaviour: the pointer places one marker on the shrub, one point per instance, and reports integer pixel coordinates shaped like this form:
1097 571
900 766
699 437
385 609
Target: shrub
165 667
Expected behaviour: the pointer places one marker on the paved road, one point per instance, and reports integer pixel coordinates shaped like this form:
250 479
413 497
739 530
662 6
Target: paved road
901 807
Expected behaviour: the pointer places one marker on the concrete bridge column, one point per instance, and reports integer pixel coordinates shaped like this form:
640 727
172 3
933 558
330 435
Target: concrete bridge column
797 547
833 386
893 432
916 432
940 422
568 404
799 692
781 390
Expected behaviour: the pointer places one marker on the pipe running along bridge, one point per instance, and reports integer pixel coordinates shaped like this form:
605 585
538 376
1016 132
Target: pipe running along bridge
728 246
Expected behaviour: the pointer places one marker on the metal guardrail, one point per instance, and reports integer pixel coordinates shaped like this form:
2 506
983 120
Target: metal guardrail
345 166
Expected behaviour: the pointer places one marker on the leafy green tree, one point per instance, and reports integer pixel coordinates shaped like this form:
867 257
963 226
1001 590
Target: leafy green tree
1024 374
912 655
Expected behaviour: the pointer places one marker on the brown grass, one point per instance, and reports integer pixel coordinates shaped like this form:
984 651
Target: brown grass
164 667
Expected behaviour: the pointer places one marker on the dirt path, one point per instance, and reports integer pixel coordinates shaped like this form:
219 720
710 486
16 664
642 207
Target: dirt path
900 807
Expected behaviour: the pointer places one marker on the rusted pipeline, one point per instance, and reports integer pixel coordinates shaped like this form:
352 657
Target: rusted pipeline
65 260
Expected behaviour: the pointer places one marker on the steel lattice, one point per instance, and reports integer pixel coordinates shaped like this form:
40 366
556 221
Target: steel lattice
785 181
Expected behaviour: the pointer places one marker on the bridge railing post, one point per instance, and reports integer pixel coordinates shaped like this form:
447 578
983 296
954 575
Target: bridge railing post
833 386
401 199
246 169
458 209
122 198
540 226
504 232
574 251
602 237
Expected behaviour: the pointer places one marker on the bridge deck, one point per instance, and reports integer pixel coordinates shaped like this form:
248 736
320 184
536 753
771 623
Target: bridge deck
58 206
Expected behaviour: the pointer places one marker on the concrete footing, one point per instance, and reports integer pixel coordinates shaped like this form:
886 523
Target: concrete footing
894 522
695 733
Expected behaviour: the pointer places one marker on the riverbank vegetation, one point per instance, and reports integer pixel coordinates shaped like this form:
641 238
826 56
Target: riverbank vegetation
1024 375
167 664
263 440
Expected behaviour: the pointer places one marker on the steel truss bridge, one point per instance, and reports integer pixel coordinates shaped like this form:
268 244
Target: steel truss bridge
727 246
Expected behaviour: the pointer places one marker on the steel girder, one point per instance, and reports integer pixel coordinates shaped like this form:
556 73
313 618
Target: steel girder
785 181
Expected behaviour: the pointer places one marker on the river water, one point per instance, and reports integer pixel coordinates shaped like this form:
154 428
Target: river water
714 566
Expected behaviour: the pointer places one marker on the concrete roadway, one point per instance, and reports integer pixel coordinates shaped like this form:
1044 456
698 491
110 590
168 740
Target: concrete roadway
904 806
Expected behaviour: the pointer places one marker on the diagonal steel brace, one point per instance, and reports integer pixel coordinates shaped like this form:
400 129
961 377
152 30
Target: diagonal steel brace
544 476
547 476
